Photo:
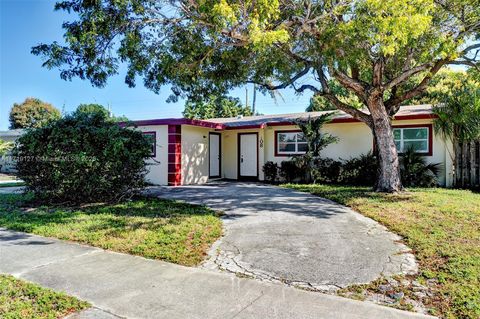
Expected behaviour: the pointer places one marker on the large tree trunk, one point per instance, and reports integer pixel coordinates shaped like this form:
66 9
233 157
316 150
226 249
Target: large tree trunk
388 179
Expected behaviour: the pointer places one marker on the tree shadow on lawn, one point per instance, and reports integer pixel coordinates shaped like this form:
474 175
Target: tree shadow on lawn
149 227
23 213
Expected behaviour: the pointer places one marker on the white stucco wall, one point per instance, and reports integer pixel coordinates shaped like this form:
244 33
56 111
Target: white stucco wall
195 154
158 165
356 139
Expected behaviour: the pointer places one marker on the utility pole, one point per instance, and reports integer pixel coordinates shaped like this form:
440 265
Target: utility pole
254 98
246 97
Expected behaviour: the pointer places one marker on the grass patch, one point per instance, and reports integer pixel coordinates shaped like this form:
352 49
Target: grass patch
149 227
12 184
442 226
20 299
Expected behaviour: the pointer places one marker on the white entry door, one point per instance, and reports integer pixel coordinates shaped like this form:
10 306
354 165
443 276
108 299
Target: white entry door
214 143
248 155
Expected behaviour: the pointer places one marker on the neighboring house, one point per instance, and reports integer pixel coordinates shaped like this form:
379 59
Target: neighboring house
7 165
10 135
188 151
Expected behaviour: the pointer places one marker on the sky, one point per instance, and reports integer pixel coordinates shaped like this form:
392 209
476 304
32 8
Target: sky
26 23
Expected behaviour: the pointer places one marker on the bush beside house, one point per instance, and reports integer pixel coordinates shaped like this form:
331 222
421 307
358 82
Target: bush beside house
356 171
82 158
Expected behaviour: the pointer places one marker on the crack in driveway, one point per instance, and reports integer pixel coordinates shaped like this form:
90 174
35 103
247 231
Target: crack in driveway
280 235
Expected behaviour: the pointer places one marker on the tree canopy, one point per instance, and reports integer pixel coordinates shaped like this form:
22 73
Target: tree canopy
32 113
458 108
92 108
372 48
215 106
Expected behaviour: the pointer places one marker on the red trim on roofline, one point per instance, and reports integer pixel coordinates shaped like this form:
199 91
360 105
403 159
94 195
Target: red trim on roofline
245 127
338 120
174 121
222 126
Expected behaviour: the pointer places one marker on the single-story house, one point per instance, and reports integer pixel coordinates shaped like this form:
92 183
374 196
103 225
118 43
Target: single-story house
186 151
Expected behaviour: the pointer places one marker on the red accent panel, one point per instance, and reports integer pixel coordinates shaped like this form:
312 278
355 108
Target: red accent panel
174 167
174 138
174 155
174 129
174 158
174 179
174 148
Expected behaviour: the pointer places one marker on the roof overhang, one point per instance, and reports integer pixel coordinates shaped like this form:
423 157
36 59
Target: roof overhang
221 126
174 121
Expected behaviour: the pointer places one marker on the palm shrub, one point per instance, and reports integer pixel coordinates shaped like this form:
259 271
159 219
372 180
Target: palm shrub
82 158
316 142
415 170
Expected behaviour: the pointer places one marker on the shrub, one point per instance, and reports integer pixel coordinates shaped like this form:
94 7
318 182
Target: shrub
415 170
270 169
82 158
288 171
361 171
326 170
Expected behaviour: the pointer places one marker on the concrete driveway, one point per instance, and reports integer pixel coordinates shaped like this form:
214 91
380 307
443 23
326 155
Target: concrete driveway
281 235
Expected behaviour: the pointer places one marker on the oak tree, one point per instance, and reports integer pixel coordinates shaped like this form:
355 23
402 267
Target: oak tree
32 113
215 106
372 48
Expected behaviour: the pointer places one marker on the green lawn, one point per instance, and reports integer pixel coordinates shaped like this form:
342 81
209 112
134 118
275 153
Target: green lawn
148 227
441 226
20 299
12 184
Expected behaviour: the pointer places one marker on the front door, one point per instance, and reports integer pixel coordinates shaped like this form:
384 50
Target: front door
247 155
214 143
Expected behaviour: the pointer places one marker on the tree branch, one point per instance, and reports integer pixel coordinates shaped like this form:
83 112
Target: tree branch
355 113
396 100
406 75
357 86
465 62
284 85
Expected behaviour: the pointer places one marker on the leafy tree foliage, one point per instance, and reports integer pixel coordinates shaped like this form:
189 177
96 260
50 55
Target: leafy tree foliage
88 109
80 159
372 48
319 102
32 113
5 147
214 107
458 111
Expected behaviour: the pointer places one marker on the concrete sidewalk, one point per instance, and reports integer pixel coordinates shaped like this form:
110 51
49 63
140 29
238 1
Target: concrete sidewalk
125 286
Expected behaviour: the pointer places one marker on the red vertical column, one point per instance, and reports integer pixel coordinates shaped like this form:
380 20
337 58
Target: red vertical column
174 155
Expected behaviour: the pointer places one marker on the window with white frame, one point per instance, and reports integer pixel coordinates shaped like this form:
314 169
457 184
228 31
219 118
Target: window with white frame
290 143
416 137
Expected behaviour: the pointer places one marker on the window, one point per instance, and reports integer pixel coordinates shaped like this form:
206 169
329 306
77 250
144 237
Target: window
417 137
152 137
290 143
